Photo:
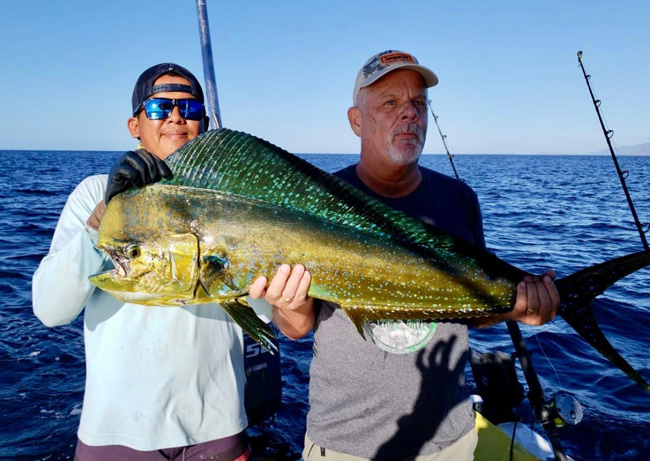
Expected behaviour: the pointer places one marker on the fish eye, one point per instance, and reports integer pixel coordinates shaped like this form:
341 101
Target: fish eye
132 251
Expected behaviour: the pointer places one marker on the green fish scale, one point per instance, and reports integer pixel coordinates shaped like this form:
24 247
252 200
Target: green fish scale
220 160
243 165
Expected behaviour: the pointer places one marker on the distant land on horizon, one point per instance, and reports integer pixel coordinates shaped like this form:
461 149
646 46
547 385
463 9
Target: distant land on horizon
639 149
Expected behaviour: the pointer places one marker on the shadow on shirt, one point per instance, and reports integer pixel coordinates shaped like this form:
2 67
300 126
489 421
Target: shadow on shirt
420 426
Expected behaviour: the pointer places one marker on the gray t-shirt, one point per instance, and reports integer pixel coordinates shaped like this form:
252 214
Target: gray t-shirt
370 403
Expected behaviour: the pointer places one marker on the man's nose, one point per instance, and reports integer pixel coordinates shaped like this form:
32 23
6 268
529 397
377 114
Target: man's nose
408 111
175 115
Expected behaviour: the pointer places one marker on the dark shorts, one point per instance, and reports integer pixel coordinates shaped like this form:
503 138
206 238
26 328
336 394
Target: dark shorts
233 448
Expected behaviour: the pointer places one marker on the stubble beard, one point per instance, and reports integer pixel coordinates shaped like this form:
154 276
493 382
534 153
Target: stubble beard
406 152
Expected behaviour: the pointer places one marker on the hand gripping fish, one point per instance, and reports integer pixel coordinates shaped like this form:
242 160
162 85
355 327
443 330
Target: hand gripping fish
238 207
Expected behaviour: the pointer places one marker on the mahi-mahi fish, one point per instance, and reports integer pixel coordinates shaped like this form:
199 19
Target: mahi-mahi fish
238 207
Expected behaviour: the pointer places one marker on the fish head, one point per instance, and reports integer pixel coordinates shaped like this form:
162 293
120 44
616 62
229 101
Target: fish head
161 272
153 263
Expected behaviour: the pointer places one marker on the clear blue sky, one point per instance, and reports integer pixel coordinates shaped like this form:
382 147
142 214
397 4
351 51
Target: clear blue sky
509 76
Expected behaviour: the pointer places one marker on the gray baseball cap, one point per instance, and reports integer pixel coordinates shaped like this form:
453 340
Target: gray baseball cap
387 61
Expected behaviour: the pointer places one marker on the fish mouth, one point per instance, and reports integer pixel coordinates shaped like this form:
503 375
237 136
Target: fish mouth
122 265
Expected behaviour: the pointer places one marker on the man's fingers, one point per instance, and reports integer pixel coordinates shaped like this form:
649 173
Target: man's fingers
288 289
537 299
96 216
291 287
303 286
258 288
156 168
544 301
554 294
550 273
275 289
136 169
99 211
131 176
532 297
138 166
522 296
93 222
163 169
147 166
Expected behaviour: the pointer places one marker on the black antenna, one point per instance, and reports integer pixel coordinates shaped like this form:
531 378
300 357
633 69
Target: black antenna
642 228
444 142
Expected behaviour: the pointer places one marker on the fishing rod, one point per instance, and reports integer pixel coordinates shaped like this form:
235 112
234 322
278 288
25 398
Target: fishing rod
208 65
545 411
444 142
622 175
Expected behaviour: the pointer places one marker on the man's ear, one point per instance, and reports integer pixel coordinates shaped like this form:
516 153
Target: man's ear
133 124
354 117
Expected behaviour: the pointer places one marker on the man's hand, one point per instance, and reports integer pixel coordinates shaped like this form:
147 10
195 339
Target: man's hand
293 309
537 300
135 169
98 212
287 290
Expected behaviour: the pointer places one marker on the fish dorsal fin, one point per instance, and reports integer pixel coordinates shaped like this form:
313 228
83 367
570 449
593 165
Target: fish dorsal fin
238 163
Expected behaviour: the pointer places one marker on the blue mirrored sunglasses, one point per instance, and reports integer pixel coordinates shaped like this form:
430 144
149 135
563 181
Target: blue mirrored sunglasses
161 108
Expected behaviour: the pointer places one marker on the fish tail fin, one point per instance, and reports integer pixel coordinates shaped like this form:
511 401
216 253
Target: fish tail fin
248 320
578 290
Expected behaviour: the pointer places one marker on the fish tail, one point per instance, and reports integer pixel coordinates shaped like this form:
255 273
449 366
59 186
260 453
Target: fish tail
248 320
578 290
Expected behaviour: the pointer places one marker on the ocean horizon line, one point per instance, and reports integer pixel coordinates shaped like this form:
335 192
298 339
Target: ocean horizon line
538 154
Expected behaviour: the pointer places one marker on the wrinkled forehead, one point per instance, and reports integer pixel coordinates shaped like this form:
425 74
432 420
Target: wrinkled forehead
399 82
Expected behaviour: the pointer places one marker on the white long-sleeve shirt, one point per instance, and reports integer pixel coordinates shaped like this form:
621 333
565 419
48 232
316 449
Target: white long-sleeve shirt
156 377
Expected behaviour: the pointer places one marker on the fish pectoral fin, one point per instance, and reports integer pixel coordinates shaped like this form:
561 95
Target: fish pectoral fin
215 278
248 320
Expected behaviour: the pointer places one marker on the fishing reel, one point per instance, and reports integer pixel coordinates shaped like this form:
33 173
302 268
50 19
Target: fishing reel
563 409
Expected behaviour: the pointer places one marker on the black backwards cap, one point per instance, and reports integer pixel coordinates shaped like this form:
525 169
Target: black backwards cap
145 87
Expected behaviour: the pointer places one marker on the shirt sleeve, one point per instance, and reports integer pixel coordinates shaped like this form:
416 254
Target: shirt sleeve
60 285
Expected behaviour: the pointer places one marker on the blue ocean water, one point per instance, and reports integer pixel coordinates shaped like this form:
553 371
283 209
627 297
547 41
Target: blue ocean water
562 212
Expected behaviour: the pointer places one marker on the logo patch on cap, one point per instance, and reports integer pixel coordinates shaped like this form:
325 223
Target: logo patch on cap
385 60
388 59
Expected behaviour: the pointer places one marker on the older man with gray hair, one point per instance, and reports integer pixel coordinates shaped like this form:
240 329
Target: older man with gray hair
399 395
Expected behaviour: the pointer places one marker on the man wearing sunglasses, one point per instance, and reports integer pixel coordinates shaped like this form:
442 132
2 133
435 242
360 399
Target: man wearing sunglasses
161 383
